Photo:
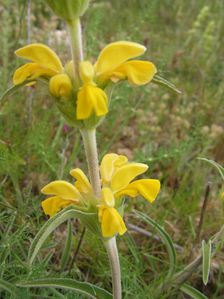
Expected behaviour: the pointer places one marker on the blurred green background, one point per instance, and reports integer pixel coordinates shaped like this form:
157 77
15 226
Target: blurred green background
169 132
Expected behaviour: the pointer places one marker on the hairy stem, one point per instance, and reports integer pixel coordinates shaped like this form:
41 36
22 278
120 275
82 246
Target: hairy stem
111 247
90 145
75 32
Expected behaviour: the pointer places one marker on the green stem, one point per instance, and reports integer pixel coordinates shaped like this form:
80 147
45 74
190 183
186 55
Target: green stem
90 145
75 32
111 247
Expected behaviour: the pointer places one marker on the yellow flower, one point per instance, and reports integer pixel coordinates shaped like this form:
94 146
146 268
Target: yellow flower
113 64
44 63
90 97
111 221
117 175
65 194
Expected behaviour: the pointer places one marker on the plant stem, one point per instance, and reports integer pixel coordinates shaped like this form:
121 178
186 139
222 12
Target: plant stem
203 211
111 247
77 249
75 32
90 145
89 136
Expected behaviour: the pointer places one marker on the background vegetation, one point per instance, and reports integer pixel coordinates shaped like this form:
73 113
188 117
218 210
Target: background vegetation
168 132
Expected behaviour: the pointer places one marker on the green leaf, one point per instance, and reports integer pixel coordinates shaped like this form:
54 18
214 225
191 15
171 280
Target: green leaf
192 292
206 260
85 288
90 220
68 247
8 287
11 90
165 238
158 80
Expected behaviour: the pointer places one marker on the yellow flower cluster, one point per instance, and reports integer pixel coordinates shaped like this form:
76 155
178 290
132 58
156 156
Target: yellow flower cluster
117 180
115 62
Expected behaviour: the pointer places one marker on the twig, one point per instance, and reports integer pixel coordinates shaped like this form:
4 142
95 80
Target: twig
202 214
77 249
151 235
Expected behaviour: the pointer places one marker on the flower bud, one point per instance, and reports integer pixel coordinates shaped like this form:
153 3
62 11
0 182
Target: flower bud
60 85
69 69
86 71
68 10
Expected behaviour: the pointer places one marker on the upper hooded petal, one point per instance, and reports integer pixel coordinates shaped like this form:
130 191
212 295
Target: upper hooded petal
125 174
107 167
86 71
108 197
115 54
61 189
41 55
82 183
109 164
31 71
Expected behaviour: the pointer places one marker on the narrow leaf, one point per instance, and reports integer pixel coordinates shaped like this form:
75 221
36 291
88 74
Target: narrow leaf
8 287
89 219
165 238
68 247
85 288
158 80
9 92
192 292
215 164
206 260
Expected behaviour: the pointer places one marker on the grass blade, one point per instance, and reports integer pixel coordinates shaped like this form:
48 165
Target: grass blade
8 287
9 92
89 220
215 164
165 238
206 260
192 292
85 288
68 246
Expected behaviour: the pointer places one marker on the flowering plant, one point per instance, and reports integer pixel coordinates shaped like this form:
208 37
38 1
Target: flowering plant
81 91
